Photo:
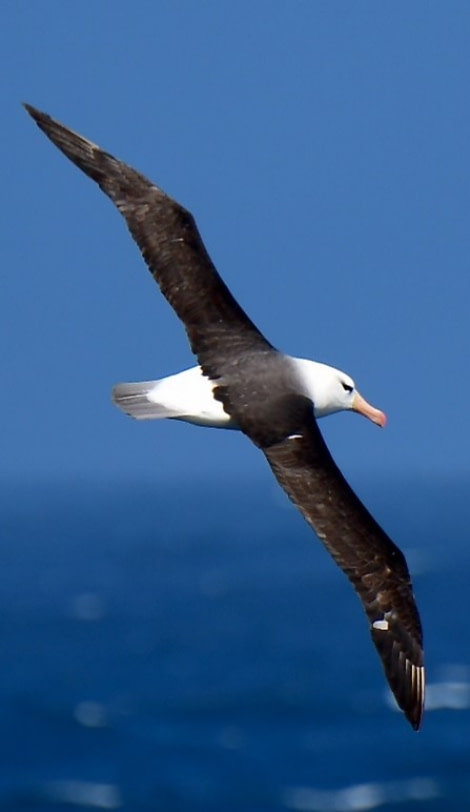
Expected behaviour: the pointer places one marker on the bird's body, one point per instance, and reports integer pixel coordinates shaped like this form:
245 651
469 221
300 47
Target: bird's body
243 382
190 395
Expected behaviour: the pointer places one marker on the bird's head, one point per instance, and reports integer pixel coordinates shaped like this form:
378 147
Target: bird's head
333 391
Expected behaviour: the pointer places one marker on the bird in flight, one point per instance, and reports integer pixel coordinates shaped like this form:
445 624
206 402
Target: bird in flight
243 382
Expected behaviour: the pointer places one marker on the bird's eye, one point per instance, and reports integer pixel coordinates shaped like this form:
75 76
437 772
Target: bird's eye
346 386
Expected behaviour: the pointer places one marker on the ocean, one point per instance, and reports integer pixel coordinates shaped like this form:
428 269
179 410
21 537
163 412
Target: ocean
192 648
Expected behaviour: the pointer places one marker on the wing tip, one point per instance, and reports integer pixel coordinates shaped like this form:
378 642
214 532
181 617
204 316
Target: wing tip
404 670
414 708
408 688
35 114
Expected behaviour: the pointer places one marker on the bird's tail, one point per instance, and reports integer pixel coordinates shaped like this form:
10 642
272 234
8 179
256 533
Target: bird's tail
133 399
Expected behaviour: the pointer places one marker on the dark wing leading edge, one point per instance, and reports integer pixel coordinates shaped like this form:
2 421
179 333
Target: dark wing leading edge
305 469
228 347
219 330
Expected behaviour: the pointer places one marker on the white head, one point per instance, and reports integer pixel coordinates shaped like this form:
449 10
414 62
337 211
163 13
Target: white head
333 391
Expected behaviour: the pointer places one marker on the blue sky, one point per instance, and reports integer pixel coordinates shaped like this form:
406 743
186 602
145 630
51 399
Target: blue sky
322 147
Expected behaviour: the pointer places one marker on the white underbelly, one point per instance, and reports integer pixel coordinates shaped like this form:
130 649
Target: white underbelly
188 396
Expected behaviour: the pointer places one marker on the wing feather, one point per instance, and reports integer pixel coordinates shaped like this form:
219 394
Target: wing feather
376 567
218 329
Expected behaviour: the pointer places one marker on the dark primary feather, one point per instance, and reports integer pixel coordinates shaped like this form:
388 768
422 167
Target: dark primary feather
219 330
305 469
232 351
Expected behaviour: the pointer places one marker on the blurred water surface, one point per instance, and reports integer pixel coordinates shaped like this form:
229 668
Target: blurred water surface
189 647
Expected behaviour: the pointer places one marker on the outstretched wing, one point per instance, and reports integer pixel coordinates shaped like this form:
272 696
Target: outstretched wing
305 469
218 329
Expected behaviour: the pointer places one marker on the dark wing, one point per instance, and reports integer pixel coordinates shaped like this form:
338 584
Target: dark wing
219 330
305 469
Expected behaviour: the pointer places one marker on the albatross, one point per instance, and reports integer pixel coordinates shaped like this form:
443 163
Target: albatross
243 382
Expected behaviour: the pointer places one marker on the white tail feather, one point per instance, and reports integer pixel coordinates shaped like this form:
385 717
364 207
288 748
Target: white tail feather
187 396
133 399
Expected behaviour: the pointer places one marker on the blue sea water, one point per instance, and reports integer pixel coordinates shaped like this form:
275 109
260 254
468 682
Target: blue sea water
193 648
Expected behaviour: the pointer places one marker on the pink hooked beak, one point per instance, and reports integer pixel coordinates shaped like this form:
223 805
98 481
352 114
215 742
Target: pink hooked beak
360 405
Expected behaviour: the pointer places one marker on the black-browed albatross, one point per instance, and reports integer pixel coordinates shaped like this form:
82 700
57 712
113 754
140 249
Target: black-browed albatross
243 382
